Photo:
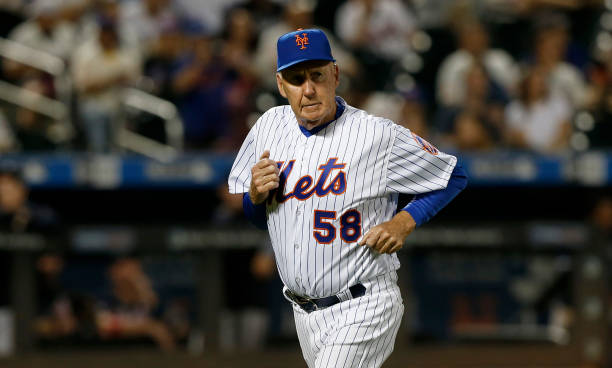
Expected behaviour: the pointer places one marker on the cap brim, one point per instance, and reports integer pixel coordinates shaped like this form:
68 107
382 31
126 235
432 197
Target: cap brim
294 62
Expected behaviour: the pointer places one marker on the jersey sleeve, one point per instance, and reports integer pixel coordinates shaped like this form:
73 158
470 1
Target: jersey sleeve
239 179
415 166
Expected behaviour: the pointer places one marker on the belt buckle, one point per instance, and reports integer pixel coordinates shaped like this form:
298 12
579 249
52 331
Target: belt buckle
309 305
314 305
302 301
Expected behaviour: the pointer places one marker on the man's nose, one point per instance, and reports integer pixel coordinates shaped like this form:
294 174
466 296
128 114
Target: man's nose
309 90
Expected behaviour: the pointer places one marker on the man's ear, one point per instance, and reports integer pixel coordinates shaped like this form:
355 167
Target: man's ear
279 84
336 74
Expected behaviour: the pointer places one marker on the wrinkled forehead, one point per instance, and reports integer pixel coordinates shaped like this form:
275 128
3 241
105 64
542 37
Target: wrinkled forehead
306 66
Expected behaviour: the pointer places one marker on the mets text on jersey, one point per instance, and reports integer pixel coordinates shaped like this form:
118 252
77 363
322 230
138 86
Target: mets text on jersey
304 189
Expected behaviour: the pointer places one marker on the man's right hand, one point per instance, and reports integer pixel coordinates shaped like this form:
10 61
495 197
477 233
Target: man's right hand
265 177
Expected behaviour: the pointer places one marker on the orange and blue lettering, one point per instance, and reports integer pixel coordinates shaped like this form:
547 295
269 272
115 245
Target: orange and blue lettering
304 189
300 191
301 41
337 185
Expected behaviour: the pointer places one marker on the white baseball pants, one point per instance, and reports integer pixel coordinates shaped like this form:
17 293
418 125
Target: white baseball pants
355 333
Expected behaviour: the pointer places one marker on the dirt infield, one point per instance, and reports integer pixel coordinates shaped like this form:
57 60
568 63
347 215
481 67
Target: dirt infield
473 356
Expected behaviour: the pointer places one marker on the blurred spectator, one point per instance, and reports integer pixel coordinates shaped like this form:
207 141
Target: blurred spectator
45 30
65 315
162 61
406 109
413 115
483 96
473 42
73 10
110 10
264 12
101 67
146 19
296 14
130 316
239 41
34 131
510 21
382 27
539 119
384 104
601 216
209 13
551 40
470 133
7 138
378 32
55 317
434 13
481 112
200 83
17 213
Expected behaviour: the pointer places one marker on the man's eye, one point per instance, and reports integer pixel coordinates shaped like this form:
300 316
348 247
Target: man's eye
297 79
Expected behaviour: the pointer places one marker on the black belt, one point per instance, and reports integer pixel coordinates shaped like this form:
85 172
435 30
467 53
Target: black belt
310 305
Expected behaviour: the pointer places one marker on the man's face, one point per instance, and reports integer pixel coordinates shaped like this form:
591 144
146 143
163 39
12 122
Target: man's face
108 39
13 193
474 38
310 88
551 45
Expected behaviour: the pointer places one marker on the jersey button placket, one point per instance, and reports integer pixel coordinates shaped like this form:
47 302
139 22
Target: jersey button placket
301 163
299 220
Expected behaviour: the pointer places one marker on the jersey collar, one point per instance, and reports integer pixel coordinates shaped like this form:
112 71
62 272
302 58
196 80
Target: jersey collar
339 110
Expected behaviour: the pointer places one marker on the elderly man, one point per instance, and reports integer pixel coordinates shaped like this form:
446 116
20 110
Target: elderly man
324 178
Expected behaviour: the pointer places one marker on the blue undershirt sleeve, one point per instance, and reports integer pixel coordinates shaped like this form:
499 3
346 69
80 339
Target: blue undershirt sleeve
424 206
255 213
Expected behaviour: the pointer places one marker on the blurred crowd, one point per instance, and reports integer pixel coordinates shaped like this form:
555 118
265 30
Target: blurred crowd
133 297
472 75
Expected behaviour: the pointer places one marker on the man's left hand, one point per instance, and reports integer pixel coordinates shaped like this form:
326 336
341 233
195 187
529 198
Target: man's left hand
389 236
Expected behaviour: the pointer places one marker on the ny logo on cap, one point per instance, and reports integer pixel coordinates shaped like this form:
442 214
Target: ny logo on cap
301 41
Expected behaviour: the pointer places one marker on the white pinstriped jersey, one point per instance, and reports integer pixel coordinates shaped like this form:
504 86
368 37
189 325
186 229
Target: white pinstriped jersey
335 185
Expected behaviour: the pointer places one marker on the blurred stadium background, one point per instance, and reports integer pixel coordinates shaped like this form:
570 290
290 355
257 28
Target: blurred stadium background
119 120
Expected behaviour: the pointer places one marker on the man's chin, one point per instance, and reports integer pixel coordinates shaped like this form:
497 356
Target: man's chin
311 118
312 121
314 118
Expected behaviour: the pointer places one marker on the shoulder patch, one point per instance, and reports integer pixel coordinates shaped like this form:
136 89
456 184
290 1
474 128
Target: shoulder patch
426 145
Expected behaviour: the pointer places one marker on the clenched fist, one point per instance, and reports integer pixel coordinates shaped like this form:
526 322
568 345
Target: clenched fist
265 177
389 236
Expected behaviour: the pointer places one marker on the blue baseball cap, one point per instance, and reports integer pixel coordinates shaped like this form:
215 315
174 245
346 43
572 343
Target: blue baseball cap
302 45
